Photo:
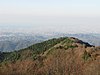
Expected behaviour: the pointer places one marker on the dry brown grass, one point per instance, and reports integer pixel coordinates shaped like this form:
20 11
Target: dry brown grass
57 62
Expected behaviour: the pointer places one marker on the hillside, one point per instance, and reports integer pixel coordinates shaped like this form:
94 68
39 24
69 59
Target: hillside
61 56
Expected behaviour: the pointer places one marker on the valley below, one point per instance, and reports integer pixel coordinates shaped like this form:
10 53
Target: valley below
10 41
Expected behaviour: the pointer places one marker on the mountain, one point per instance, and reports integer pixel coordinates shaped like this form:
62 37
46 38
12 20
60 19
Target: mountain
58 56
91 38
10 41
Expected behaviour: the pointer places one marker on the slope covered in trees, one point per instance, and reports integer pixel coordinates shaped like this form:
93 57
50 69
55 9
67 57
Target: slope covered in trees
61 56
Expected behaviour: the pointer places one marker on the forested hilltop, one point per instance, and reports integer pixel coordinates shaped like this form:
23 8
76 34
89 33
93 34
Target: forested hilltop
58 56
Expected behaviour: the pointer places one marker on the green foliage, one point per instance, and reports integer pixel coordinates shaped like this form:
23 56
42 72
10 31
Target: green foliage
41 47
34 51
70 46
67 41
13 56
34 56
86 56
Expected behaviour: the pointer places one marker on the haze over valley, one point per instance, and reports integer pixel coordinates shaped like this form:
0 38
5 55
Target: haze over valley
11 41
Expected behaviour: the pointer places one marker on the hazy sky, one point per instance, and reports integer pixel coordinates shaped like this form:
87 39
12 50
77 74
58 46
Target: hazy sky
51 15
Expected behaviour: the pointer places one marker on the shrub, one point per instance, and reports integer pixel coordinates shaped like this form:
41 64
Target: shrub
86 56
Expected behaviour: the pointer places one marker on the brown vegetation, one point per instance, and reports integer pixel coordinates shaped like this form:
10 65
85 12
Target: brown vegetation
62 59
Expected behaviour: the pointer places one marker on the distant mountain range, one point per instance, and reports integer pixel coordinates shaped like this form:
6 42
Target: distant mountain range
15 41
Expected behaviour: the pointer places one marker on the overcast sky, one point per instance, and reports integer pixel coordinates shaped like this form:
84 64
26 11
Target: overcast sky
51 15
